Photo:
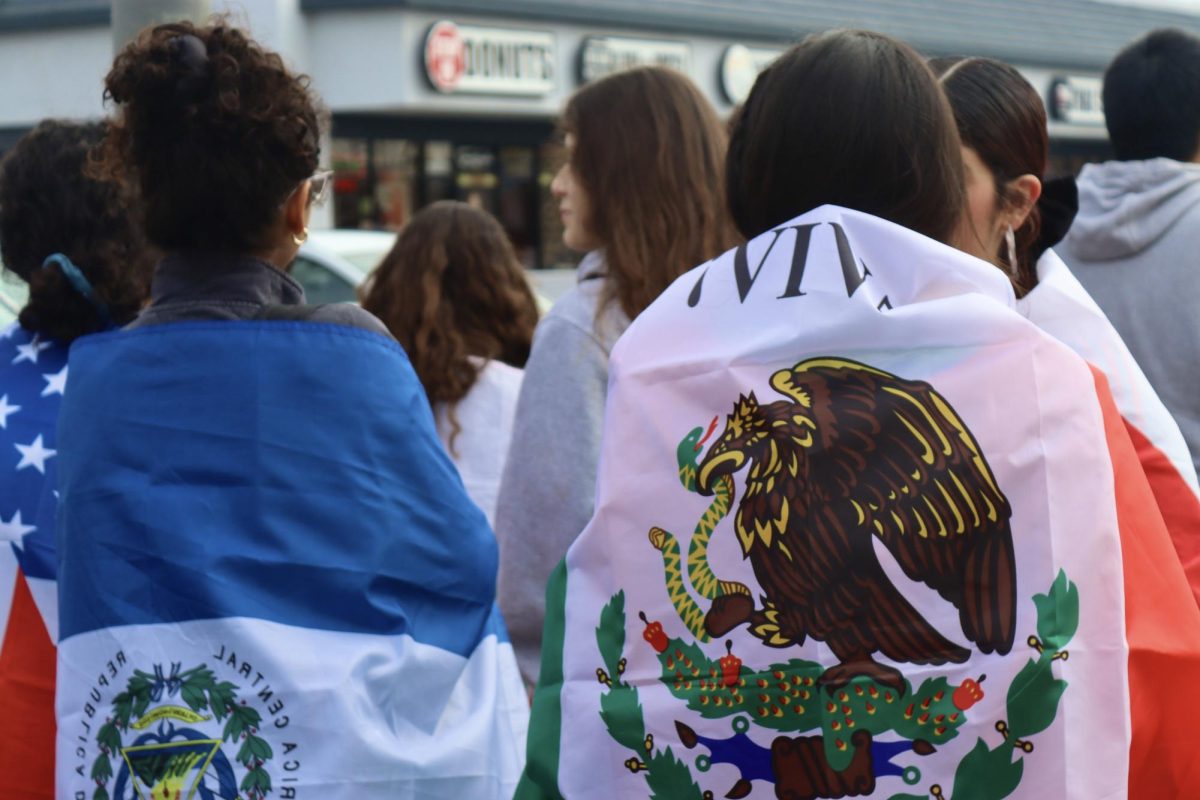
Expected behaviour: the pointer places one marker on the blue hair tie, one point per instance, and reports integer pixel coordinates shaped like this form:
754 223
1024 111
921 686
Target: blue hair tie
79 283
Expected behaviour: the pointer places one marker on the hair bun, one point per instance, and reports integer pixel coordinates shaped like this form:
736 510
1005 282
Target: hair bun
191 56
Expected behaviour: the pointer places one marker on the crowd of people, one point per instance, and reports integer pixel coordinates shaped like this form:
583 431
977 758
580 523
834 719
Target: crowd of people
374 505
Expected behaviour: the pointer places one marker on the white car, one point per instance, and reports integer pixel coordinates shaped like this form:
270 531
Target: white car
332 264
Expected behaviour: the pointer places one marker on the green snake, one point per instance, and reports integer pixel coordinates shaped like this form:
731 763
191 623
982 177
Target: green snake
700 575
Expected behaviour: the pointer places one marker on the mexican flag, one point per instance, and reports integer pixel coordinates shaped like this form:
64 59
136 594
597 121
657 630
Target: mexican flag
863 530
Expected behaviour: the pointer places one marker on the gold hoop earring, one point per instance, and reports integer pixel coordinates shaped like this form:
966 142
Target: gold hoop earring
300 238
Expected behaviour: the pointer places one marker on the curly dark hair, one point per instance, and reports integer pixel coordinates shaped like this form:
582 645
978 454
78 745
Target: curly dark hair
452 288
49 205
217 130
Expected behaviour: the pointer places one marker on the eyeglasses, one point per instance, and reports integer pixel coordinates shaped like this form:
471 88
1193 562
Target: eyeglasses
318 187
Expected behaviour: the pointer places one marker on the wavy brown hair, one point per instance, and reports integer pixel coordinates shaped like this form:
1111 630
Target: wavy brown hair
649 153
452 288
217 131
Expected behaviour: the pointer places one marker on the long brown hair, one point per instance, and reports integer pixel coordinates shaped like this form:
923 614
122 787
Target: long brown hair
452 288
851 118
649 150
1001 117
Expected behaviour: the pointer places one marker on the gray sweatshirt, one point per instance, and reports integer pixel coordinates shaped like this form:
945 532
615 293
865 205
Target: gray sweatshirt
1135 247
548 488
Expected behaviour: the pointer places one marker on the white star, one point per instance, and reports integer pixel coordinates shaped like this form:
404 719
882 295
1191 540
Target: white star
29 352
6 410
14 529
9 331
34 455
56 382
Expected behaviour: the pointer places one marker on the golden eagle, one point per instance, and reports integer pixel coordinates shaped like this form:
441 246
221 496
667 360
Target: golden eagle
855 453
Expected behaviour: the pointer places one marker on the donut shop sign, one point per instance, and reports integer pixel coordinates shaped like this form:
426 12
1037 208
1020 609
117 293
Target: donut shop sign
474 59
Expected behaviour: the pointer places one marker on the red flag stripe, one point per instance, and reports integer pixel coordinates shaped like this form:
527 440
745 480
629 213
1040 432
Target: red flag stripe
27 664
1162 627
1177 502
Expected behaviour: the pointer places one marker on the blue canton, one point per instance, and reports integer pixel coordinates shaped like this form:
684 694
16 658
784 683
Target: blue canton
33 376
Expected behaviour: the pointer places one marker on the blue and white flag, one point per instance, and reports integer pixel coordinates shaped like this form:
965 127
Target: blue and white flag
271 578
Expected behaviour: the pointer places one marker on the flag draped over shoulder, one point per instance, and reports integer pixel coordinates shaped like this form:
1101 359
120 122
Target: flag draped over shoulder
33 375
1061 306
272 581
863 530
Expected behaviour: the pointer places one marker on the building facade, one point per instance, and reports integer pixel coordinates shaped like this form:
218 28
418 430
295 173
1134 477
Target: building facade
436 99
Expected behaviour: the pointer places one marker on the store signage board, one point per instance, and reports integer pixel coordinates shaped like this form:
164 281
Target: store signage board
474 59
604 55
740 66
1077 100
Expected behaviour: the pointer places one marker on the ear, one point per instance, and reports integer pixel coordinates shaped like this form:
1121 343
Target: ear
1024 191
296 210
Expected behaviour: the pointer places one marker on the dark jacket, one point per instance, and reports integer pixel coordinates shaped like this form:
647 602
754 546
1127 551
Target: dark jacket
194 288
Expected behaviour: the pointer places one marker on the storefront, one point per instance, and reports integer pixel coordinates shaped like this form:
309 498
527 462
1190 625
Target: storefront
442 99
477 121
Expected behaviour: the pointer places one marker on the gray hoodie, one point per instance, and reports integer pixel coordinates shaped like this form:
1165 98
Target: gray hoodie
548 488
1135 246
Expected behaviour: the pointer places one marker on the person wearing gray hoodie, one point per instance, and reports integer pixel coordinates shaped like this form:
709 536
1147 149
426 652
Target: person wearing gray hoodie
1135 242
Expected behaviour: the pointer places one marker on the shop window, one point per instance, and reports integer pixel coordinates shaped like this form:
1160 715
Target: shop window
353 197
395 172
439 172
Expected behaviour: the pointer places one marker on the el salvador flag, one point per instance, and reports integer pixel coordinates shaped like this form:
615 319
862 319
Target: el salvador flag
271 578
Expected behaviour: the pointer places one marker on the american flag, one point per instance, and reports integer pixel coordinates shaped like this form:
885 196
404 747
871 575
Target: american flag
33 376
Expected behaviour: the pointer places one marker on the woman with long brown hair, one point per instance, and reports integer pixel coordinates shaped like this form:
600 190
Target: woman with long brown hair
641 193
454 295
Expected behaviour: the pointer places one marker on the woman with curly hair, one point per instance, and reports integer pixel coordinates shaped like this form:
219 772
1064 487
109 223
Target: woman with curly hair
78 244
644 200
256 511
454 295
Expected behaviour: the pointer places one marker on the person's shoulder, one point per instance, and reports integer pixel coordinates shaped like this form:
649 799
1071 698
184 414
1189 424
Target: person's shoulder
499 382
350 315
501 374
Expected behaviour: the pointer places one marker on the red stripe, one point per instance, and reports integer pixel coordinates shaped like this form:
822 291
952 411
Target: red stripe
1162 626
1179 505
27 664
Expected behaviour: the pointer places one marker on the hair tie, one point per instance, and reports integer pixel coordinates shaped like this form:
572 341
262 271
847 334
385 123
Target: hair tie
191 54
79 283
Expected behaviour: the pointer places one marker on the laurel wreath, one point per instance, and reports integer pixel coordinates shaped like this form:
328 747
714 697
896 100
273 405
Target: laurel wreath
666 775
984 773
200 690
989 773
